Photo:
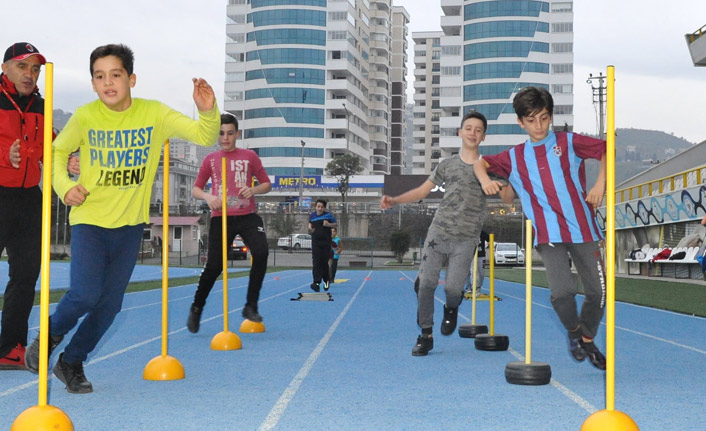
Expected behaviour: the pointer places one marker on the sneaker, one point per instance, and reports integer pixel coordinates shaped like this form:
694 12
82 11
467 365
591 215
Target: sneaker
594 355
15 360
250 313
32 352
326 286
193 323
73 377
423 346
448 326
315 287
576 350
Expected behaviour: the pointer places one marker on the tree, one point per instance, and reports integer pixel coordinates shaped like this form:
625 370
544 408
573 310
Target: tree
399 244
283 224
342 168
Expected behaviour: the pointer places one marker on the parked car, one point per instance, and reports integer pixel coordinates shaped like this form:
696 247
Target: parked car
509 253
238 250
296 241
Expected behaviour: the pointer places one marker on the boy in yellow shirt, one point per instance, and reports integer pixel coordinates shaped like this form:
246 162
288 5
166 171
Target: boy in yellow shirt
120 140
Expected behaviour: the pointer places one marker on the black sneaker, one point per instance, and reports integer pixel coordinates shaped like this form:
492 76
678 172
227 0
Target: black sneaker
73 377
315 287
594 355
448 326
423 346
250 313
193 323
576 350
32 352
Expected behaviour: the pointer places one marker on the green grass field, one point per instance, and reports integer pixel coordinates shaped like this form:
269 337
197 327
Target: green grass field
673 295
669 294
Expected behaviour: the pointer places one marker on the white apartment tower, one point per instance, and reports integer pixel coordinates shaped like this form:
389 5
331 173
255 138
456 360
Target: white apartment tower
310 80
488 51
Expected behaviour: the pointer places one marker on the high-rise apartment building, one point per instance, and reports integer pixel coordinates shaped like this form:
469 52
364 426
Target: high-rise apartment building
485 53
398 136
312 77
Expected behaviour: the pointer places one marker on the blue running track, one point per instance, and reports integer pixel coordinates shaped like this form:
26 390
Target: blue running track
347 365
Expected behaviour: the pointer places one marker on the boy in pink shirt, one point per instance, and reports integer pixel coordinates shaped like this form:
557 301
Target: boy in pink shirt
241 166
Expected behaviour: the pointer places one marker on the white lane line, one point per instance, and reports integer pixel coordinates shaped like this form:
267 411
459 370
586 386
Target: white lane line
280 406
181 298
572 396
142 343
590 408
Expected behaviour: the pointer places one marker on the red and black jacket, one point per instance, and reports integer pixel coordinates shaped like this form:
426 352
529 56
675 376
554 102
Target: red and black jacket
23 120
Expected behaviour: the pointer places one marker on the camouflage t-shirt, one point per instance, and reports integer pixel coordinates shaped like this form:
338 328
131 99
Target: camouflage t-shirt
462 211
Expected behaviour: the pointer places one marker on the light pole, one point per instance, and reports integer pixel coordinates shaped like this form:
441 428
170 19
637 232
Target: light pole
301 176
348 124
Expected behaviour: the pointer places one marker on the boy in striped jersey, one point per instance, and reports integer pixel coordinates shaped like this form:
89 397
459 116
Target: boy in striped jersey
548 174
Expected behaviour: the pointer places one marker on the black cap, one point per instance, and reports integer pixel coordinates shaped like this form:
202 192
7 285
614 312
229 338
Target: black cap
22 50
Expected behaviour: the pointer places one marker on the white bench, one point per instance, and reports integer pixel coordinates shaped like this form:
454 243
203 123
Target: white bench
687 267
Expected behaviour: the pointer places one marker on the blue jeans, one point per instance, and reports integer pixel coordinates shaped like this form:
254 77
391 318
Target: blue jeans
102 261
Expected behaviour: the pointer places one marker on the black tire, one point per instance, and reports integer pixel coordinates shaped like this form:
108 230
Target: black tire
534 373
471 331
297 246
492 343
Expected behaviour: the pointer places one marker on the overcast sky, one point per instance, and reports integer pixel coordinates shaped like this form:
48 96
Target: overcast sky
657 86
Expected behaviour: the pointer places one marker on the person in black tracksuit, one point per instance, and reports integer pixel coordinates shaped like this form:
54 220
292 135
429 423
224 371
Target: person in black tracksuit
320 224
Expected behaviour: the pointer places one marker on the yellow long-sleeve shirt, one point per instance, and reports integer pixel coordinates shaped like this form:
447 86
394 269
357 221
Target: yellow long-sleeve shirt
119 157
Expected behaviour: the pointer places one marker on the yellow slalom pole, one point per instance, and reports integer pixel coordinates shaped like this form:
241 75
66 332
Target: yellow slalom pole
610 419
225 340
43 416
164 367
224 234
528 292
473 287
492 284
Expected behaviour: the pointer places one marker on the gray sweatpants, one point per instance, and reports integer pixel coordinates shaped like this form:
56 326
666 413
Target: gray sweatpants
438 252
589 265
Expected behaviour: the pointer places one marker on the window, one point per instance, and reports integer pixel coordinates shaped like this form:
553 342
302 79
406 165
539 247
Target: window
236 19
288 95
485 30
288 75
563 109
337 35
288 36
235 76
491 110
264 3
504 69
502 49
287 132
337 16
288 16
449 50
563 47
562 88
290 115
562 68
288 55
504 8
317 153
450 91
562 7
496 90
562 27
450 70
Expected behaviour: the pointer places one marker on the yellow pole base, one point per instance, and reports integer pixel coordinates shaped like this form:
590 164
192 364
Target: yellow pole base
250 327
226 340
613 420
42 418
163 368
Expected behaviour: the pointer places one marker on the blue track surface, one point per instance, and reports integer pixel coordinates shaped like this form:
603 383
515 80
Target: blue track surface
346 365
59 274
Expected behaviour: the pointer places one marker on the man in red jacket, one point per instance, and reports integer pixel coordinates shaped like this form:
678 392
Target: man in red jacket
21 139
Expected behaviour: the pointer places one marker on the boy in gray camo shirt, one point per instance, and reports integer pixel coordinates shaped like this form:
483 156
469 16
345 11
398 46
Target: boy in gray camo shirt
453 233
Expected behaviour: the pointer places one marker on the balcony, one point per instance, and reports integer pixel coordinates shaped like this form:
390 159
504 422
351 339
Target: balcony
697 46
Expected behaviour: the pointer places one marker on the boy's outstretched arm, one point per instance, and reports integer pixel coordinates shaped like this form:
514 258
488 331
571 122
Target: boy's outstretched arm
413 195
204 97
490 187
595 195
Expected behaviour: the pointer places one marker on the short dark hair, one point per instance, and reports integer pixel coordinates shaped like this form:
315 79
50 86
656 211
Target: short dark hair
229 119
123 52
531 100
475 114
323 202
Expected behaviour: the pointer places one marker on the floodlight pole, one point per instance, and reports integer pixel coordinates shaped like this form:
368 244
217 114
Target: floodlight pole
301 176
